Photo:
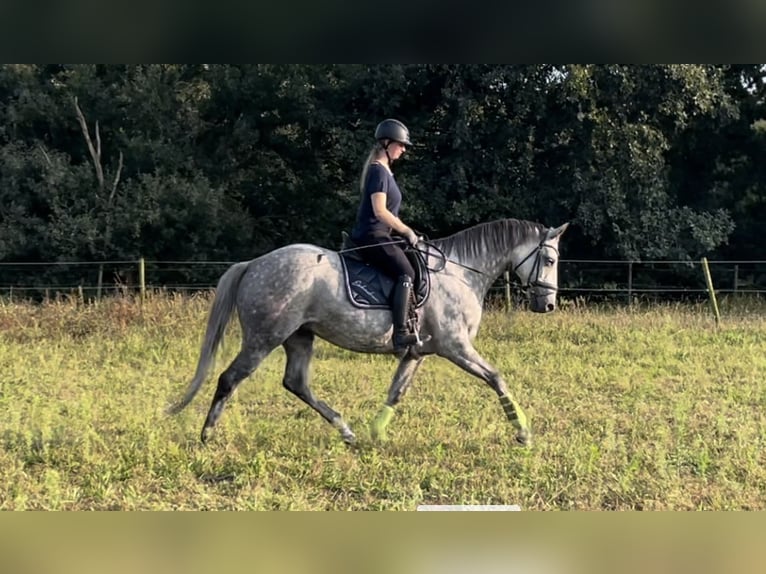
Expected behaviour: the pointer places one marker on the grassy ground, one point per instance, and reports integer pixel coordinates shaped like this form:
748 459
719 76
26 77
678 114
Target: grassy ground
650 409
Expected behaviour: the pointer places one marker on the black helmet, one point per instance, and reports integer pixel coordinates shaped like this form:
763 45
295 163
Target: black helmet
391 129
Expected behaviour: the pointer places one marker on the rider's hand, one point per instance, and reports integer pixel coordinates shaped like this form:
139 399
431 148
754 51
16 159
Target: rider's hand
411 237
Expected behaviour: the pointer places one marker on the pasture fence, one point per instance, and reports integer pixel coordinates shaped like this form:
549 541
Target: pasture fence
599 280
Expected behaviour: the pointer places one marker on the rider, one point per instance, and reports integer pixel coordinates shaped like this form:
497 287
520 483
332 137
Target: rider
378 216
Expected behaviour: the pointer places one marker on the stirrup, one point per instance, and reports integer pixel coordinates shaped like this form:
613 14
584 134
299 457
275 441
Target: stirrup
419 340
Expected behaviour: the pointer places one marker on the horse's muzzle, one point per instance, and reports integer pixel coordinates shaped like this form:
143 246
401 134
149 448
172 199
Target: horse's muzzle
538 305
542 300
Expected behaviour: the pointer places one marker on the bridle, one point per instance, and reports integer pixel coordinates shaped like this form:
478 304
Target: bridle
537 268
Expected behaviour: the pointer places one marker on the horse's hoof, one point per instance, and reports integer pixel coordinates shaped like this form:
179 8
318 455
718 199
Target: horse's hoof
380 438
524 438
349 438
345 432
378 433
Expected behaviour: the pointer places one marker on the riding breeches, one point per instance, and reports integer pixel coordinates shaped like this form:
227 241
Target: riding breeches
383 253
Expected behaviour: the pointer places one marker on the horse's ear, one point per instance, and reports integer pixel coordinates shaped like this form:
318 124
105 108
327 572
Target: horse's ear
558 231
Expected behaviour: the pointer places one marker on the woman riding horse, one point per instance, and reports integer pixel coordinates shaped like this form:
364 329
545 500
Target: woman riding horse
378 216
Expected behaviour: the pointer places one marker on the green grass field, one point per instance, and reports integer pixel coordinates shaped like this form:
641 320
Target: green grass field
643 409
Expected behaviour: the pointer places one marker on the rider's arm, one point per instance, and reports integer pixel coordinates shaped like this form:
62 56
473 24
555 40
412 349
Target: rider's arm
382 213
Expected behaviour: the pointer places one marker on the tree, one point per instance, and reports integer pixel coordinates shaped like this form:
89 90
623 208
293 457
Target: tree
623 121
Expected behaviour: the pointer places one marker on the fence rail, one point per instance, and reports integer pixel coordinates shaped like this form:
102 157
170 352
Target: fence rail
577 277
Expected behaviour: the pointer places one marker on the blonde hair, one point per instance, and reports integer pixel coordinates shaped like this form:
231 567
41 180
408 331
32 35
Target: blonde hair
376 149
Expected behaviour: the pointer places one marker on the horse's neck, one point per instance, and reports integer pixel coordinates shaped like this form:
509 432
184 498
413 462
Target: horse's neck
491 265
492 260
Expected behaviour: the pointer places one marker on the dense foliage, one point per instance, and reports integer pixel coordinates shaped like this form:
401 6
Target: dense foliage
218 161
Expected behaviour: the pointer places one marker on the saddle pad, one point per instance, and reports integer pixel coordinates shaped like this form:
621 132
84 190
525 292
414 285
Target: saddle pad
368 288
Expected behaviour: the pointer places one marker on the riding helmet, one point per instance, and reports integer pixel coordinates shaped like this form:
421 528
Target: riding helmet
393 130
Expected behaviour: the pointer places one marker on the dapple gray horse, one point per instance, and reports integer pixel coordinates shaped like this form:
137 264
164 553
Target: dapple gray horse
296 293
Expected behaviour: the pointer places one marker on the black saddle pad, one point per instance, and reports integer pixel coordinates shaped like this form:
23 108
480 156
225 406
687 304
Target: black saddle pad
368 288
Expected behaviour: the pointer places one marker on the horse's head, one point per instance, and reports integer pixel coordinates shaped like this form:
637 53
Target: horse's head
538 270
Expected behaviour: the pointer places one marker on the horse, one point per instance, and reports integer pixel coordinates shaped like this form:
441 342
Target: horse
293 294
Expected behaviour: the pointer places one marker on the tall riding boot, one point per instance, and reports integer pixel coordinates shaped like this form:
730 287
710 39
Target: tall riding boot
399 309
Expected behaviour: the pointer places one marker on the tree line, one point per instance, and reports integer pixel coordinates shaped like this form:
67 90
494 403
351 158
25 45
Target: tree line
228 161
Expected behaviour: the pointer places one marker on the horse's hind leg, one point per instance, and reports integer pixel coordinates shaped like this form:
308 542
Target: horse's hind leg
299 348
240 368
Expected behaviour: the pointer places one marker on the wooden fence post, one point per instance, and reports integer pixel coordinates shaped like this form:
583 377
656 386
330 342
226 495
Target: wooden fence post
142 277
711 291
507 284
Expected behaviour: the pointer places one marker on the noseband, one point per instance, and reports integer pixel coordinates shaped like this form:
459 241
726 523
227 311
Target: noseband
536 270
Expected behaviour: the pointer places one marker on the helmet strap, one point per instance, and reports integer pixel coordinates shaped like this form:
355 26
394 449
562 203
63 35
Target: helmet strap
385 149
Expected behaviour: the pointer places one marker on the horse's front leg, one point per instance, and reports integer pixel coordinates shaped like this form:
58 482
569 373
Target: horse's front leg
468 359
402 380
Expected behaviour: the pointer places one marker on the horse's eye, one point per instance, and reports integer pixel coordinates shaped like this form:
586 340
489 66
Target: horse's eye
549 261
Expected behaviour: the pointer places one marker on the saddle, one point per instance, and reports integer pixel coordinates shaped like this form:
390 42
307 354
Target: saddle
369 288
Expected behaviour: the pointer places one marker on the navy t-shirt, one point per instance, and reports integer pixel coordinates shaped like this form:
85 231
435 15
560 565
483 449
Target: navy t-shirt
378 180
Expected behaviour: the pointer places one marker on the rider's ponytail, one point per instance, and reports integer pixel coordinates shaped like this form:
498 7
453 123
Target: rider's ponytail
376 149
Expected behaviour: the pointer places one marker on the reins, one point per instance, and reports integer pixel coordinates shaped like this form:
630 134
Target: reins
444 259
425 252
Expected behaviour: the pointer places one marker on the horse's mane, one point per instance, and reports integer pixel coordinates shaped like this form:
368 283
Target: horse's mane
490 237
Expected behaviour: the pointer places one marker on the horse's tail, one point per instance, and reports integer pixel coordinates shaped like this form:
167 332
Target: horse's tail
223 307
